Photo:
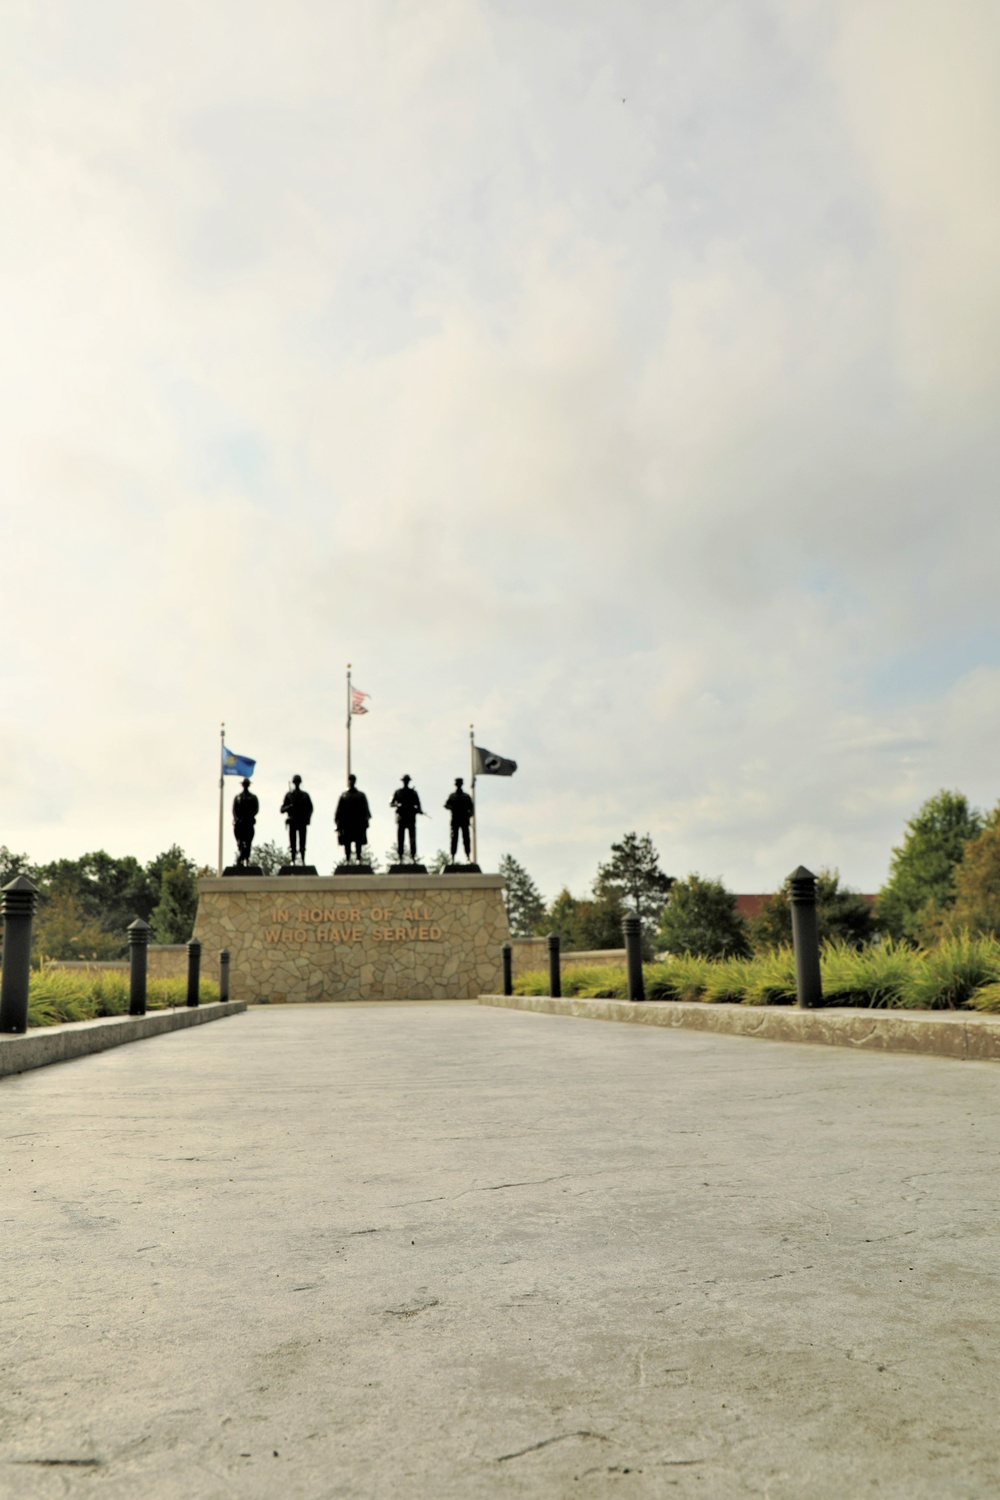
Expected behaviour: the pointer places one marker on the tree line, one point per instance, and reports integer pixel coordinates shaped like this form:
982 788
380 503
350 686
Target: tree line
944 878
86 904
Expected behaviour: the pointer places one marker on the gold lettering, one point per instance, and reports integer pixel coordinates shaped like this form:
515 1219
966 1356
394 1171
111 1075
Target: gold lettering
400 934
300 934
272 934
281 914
435 934
357 934
423 934
316 916
355 914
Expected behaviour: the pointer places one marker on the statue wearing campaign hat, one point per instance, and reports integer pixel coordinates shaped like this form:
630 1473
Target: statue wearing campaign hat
245 810
298 810
406 801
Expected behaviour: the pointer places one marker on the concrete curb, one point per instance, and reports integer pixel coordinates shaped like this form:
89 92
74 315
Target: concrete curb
961 1034
52 1044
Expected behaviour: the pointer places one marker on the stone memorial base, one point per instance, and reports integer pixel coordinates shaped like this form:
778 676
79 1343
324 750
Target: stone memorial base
369 937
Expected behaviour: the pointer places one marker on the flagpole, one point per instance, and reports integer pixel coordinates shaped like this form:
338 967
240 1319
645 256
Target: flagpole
472 766
222 768
348 724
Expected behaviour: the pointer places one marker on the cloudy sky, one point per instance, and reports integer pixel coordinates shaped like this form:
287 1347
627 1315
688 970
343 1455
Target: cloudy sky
619 375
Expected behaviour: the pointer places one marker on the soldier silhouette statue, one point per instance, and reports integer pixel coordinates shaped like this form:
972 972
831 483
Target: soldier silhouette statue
245 810
298 810
351 819
406 801
462 809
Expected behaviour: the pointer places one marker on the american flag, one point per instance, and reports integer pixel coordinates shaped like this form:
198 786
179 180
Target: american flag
358 701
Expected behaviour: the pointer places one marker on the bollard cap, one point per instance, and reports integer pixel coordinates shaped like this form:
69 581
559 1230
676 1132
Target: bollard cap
630 922
19 897
194 943
138 931
802 884
224 955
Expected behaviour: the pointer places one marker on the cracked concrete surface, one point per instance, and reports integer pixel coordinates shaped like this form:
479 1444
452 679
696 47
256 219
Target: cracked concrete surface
447 1250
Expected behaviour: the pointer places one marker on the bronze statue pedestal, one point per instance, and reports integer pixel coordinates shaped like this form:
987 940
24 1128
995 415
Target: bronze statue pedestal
243 870
351 869
298 870
413 869
469 869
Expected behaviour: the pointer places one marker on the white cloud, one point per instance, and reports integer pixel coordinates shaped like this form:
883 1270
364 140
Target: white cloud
655 437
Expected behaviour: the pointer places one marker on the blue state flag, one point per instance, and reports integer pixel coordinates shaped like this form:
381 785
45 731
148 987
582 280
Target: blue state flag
236 765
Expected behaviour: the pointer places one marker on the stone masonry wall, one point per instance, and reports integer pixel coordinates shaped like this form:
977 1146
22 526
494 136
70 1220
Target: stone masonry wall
374 937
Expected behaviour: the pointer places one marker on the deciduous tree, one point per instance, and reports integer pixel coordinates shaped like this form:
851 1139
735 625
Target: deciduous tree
923 866
842 915
700 917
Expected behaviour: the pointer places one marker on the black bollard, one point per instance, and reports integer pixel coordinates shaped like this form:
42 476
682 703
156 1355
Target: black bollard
194 972
138 942
555 974
508 969
17 904
632 928
805 938
224 974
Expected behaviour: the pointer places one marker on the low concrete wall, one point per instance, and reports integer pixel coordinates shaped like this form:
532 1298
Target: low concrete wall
943 1033
163 961
533 953
52 1044
170 961
88 965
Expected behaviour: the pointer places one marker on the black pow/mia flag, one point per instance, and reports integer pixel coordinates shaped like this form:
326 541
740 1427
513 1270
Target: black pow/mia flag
485 763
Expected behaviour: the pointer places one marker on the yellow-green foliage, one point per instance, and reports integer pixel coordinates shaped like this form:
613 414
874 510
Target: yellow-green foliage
957 972
57 995
599 982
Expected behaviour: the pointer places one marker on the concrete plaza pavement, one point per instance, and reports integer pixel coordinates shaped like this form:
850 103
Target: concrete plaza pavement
451 1251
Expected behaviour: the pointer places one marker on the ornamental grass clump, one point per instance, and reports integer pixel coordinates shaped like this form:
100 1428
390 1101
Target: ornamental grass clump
728 982
589 982
874 977
771 978
682 976
949 974
56 996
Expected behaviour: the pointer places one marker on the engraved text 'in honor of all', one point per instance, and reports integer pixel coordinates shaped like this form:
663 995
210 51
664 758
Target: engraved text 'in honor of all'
342 924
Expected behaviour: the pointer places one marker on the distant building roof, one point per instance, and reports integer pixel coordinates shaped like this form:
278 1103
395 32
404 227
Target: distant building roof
749 906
